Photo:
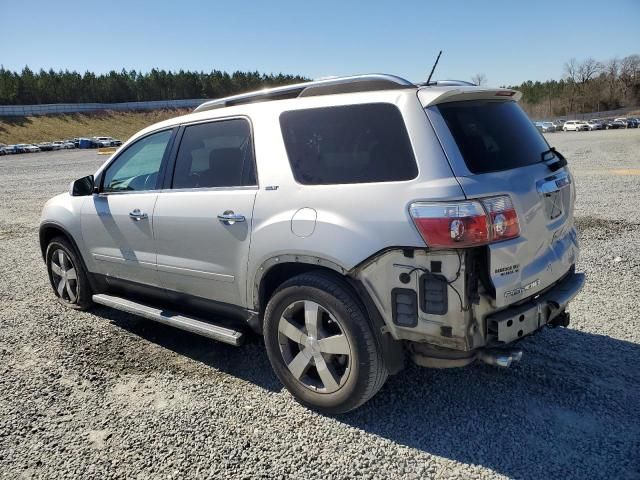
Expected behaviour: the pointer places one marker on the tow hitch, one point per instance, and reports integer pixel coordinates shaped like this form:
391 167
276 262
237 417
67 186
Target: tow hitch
562 320
500 357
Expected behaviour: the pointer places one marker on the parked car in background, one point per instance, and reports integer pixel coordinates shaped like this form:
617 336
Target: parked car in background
545 127
635 122
107 142
63 145
558 124
3 150
45 146
575 125
10 149
594 125
617 123
102 141
87 143
627 122
26 148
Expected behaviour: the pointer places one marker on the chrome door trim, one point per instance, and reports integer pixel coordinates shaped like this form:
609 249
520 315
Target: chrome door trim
100 257
554 184
221 277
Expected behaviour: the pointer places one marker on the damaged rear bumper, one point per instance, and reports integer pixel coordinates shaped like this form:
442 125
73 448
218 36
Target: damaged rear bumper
507 326
518 321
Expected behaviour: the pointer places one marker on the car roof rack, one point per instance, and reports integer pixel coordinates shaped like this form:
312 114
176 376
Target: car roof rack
328 86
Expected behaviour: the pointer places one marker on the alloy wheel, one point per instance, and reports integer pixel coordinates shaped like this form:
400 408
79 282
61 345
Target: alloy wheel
314 346
64 276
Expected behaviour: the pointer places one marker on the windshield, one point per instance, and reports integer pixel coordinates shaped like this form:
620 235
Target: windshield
493 135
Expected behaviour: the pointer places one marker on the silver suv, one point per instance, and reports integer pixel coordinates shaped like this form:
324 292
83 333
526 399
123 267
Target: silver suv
352 222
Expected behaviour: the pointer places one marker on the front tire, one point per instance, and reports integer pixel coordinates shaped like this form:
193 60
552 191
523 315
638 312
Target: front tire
67 275
321 345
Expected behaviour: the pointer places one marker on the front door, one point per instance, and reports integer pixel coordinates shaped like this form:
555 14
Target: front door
202 223
117 222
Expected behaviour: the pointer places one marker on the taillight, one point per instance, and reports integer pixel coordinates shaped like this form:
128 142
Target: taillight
465 223
503 218
451 225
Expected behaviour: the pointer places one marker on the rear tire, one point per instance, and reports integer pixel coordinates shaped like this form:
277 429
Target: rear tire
321 345
67 275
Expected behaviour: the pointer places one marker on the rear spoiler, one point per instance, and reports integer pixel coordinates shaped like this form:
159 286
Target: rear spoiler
434 95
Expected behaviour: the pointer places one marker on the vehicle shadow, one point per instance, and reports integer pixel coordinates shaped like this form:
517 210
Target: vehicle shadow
248 362
571 408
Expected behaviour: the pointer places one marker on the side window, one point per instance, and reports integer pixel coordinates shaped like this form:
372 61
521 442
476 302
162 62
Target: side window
215 154
348 144
137 168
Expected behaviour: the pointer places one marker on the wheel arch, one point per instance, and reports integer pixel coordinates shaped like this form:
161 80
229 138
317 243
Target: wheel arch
277 270
50 230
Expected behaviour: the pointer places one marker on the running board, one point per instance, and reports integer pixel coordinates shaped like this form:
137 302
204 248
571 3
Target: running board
173 319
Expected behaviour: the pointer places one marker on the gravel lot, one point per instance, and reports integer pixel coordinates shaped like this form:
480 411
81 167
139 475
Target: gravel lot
105 394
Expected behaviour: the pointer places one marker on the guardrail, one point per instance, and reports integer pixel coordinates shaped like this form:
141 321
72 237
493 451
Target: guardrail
61 108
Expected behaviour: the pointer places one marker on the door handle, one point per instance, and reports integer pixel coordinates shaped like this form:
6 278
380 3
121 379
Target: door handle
229 218
137 215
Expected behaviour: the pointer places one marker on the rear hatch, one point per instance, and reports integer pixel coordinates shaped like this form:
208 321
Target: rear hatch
494 149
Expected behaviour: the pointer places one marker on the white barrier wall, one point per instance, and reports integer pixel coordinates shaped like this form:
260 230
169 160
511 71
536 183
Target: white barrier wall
57 108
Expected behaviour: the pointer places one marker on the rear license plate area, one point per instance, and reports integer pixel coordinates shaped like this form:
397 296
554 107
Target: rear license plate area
512 324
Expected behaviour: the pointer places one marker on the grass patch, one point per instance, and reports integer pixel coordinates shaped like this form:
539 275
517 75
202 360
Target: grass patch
43 128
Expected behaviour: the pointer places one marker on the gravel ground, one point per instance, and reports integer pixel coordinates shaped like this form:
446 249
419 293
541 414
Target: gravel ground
105 394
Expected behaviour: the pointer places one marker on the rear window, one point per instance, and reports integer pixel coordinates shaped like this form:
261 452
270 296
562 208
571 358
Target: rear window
493 136
348 144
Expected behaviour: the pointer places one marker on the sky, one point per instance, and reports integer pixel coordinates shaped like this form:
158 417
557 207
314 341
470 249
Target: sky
509 42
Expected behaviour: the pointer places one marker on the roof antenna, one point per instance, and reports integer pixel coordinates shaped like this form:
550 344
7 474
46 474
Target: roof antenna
433 69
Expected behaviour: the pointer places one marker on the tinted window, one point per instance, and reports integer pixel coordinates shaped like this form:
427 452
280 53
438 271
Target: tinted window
350 144
493 136
138 166
216 154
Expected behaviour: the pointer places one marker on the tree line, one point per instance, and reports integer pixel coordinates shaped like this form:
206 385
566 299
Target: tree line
28 87
587 86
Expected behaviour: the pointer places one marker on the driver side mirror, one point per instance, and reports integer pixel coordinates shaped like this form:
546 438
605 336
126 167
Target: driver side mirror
82 187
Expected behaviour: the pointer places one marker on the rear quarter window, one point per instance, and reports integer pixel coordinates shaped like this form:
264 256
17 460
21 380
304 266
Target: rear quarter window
348 144
493 135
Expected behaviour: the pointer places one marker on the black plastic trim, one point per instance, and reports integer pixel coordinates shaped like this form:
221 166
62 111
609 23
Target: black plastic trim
394 306
392 349
433 294
179 301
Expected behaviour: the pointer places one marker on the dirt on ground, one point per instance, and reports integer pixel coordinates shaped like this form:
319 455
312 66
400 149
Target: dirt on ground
104 394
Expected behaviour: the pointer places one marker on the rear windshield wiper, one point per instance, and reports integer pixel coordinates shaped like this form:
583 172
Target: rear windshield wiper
555 161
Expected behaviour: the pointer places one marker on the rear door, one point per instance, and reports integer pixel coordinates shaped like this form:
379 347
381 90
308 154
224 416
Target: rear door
202 219
494 150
